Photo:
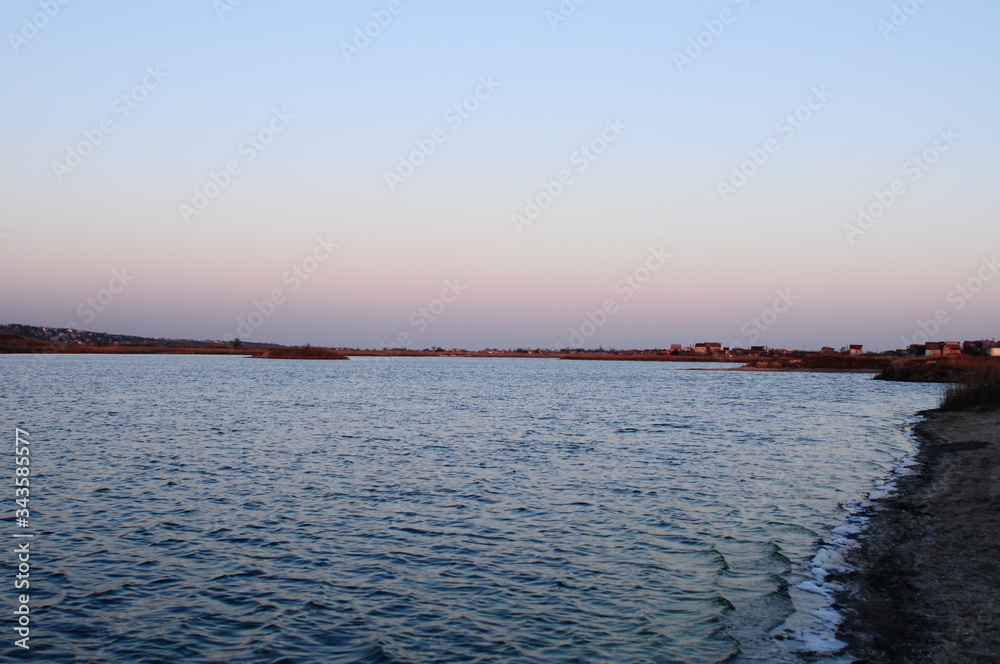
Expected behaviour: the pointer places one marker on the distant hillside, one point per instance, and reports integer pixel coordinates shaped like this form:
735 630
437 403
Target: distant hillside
33 339
16 343
73 337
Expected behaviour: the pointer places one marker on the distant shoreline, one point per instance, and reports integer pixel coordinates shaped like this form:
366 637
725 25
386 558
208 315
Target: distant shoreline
926 578
27 339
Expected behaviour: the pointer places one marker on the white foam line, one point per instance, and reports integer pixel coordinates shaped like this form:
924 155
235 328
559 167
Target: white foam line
830 559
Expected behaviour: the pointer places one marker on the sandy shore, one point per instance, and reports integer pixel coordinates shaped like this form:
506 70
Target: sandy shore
927 585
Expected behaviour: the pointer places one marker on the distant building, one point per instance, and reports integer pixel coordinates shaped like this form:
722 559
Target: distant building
995 351
951 348
980 347
827 350
855 349
707 348
916 350
934 349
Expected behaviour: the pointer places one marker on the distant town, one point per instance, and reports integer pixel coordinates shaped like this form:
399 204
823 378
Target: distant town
982 347
701 350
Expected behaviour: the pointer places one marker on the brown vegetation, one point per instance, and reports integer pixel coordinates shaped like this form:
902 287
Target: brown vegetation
980 389
299 353
860 363
934 369
149 349
15 343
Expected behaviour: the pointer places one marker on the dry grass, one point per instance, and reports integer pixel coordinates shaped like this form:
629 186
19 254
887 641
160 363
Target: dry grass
953 369
859 363
15 343
979 389
300 353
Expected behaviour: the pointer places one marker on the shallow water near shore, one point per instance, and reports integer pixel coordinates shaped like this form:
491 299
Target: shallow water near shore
437 509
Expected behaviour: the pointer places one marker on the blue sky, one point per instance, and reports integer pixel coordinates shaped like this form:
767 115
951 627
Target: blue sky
330 127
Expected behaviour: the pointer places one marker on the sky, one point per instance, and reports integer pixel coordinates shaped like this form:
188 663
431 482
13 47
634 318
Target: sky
503 174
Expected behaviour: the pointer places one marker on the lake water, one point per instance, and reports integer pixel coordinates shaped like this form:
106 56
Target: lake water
202 509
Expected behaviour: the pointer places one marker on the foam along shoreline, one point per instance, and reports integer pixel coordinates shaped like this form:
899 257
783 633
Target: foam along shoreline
922 582
819 640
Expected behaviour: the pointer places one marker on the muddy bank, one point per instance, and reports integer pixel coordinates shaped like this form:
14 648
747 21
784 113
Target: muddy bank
927 585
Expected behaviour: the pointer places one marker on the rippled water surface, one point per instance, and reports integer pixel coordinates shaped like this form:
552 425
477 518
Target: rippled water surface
196 509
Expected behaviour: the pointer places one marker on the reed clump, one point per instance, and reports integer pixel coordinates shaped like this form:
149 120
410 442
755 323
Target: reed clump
980 389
